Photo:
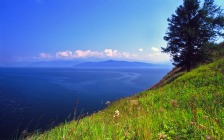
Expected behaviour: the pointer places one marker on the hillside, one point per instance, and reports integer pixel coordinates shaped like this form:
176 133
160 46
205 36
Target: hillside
190 107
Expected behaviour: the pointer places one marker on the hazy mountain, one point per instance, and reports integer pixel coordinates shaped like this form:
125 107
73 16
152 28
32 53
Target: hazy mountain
120 64
55 63
82 63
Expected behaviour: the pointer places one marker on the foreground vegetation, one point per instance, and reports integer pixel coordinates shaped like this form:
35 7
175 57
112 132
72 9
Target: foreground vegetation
190 107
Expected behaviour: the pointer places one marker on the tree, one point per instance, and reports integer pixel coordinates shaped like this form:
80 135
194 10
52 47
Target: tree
190 29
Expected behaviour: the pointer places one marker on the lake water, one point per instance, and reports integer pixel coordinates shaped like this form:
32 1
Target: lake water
41 98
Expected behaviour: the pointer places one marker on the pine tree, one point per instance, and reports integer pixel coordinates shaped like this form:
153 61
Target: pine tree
190 29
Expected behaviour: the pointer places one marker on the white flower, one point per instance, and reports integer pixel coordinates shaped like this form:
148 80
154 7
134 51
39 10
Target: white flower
116 113
107 102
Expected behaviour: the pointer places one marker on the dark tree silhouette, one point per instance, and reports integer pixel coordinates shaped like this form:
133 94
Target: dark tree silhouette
190 29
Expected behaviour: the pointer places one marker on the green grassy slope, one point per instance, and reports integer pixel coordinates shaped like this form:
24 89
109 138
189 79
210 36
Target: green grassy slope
190 107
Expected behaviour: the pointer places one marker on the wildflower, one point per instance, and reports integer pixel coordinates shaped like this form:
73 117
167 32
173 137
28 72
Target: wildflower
116 113
24 132
173 103
217 120
192 123
201 126
126 134
133 102
208 137
107 102
162 136
160 110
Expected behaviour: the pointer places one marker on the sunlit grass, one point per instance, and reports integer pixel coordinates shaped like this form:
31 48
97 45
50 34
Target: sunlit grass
191 107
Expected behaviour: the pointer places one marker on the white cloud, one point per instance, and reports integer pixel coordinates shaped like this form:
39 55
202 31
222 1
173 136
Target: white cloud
87 53
155 56
126 54
112 53
65 54
154 49
44 56
140 49
159 57
129 55
107 53
80 53
117 54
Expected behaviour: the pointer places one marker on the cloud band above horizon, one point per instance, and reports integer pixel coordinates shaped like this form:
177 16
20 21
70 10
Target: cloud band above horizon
154 55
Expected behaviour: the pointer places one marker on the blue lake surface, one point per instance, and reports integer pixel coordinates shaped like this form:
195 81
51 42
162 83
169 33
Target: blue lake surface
40 98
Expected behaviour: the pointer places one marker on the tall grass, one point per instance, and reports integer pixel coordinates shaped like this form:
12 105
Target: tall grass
190 107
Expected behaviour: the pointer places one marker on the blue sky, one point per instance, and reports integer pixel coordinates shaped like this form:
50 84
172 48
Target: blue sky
37 30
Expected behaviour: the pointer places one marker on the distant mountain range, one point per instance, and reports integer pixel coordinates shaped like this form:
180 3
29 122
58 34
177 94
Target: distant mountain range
55 63
84 64
116 64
